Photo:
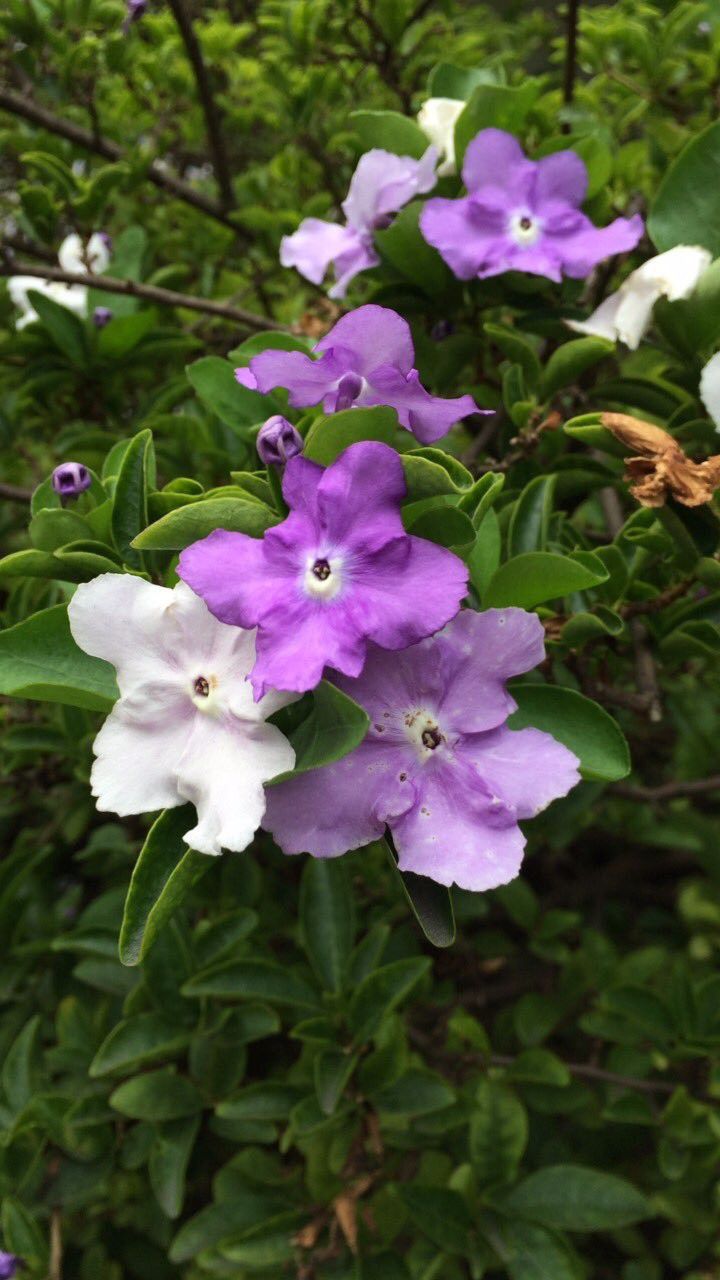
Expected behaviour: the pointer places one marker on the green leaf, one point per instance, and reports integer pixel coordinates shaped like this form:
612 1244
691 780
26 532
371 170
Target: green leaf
335 726
329 436
686 208
253 980
494 105
416 1093
164 873
22 1235
574 1198
530 519
184 525
406 249
578 722
169 1159
448 81
50 529
484 556
431 905
390 131
441 1214
327 920
20 1068
531 1253
382 991
64 327
39 659
498 1133
333 1069
536 576
157 1095
135 1042
570 361
430 473
123 333
517 349
268 340
268 1100
214 381
129 511
443 524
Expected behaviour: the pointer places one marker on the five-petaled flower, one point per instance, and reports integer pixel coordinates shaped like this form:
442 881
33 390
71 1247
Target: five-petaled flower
438 766
186 727
339 572
626 315
365 359
381 185
522 215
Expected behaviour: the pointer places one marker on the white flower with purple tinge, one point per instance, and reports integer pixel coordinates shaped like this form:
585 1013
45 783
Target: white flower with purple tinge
521 215
381 184
339 572
437 118
185 727
439 766
367 358
74 257
626 315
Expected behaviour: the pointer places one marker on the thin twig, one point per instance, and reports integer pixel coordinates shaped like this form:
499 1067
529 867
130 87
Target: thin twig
635 607
56 1248
207 101
32 111
586 1071
667 790
151 292
13 493
573 14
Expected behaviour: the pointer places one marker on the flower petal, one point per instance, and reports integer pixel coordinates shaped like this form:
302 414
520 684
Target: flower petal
373 336
428 417
343 806
359 497
710 387
562 177
406 591
582 249
464 243
122 619
494 159
307 380
383 182
137 752
527 767
480 651
315 245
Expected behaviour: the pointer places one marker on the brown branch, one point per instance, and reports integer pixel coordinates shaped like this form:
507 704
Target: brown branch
635 607
36 114
13 493
207 101
586 1071
667 790
150 292
570 70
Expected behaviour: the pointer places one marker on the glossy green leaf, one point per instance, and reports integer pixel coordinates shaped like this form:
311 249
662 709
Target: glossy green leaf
134 1042
382 991
169 1159
327 919
157 1095
584 727
65 328
390 131
404 247
329 436
686 207
129 511
570 361
574 1198
536 576
39 659
496 106
334 727
530 519
187 524
164 873
253 980
214 381
498 1133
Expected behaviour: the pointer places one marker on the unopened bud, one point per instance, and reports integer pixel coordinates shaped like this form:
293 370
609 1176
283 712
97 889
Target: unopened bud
278 441
69 480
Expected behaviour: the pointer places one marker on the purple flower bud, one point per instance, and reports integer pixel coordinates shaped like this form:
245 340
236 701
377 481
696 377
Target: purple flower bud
106 239
69 480
348 390
101 317
136 9
278 441
9 1265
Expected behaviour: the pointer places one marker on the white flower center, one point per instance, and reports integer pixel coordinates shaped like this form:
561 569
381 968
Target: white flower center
524 229
423 732
204 693
323 577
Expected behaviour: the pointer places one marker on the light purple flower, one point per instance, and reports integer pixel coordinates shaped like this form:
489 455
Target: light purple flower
365 359
101 317
278 441
439 767
381 184
71 479
9 1265
522 215
338 572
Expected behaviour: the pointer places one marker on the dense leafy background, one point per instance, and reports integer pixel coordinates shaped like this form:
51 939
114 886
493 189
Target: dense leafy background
281 1076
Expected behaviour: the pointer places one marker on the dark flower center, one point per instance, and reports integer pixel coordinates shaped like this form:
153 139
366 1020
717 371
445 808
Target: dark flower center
431 738
202 687
321 570
526 223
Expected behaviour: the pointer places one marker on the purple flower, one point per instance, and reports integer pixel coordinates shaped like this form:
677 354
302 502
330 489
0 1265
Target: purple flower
521 215
9 1265
439 767
101 317
365 359
71 479
278 441
381 184
338 572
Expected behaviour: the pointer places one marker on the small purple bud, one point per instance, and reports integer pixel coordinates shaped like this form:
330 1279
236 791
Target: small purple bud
106 239
101 317
9 1265
278 441
69 480
348 390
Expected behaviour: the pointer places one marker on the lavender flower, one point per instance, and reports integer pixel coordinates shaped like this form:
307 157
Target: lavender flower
438 765
101 317
381 184
338 572
9 1265
521 215
71 479
365 359
278 441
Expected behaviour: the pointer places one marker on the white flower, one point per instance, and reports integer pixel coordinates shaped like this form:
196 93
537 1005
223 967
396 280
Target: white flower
437 118
73 257
185 727
710 388
626 315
